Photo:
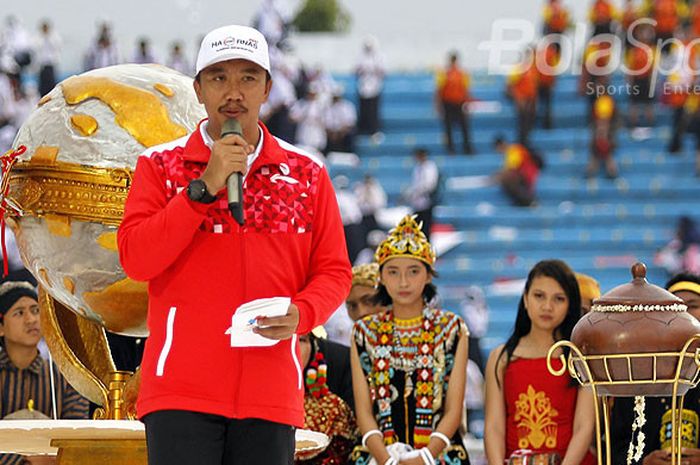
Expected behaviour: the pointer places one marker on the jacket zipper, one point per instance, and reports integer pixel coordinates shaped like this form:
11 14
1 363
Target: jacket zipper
244 282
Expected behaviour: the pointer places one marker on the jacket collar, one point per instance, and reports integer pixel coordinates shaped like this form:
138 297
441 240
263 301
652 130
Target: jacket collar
197 150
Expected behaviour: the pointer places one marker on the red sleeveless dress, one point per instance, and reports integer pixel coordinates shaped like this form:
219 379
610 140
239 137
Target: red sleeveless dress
540 408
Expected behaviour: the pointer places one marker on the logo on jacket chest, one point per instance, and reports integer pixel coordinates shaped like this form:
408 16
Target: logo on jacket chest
276 199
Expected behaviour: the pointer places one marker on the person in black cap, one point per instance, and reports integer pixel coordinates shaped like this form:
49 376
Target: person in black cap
25 377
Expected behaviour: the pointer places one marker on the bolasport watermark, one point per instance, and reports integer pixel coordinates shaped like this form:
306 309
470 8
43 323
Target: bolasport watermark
512 40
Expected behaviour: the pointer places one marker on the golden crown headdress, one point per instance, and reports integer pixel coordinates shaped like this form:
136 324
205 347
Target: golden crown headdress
365 275
406 240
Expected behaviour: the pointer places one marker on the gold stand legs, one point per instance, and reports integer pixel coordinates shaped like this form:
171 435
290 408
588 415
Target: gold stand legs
114 410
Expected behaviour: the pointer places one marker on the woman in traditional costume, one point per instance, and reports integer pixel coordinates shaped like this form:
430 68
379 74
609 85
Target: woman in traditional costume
409 362
527 409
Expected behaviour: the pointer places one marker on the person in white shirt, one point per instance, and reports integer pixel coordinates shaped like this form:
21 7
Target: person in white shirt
104 51
16 43
272 21
372 198
309 114
350 214
48 50
370 81
275 111
178 61
341 122
143 53
424 183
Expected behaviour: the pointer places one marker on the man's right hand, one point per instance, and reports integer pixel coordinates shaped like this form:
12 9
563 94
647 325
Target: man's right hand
658 457
228 155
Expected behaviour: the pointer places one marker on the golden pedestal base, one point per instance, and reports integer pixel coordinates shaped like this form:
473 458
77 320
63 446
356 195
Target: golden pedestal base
102 451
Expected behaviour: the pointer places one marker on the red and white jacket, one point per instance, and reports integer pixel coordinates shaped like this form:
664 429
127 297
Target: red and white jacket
201 266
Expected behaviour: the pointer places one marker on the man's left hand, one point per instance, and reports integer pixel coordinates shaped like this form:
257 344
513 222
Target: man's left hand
279 327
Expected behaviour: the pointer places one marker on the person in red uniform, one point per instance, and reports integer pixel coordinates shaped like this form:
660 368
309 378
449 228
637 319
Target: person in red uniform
212 389
603 137
518 177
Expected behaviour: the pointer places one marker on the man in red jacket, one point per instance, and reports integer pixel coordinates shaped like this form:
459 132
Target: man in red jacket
218 383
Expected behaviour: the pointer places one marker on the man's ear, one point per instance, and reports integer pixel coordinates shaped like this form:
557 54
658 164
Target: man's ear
268 87
197 90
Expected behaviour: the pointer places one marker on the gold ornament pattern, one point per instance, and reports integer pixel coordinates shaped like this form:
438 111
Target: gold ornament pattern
365 275
139 112
406 240
534 415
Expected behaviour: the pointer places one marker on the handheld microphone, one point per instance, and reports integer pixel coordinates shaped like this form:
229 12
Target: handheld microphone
234 182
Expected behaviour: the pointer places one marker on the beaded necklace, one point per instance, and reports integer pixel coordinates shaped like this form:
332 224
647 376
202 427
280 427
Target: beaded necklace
386 351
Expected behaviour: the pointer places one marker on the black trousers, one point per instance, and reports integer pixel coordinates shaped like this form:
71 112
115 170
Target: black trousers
426 216
47 79
453 114
179 437
368 120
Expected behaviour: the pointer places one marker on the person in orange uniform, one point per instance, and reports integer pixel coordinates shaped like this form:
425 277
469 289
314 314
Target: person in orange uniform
640 62
522 88
630 14
596 71
601 15
547 61
668 15
675 95
556 18
451 97
695 20
589 289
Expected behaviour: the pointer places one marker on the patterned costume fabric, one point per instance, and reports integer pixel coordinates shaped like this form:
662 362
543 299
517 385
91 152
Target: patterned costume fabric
327 413
540 408
408 364
272 198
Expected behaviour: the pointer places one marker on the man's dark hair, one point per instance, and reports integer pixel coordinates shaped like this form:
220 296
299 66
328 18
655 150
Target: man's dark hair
420 152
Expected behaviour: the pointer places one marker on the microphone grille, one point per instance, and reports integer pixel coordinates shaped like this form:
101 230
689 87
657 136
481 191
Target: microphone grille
231 126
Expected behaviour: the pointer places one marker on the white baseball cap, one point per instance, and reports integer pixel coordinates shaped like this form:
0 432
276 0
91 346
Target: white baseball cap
233 43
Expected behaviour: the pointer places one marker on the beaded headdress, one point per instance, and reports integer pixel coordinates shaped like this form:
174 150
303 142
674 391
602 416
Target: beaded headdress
365 275
406 240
